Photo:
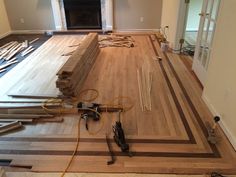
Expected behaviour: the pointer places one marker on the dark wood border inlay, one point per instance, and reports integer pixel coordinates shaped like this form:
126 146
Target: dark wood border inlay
192 106
93 140
106 153
177 104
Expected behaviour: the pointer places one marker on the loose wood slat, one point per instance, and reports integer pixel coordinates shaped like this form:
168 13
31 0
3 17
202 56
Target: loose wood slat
25 116
10 126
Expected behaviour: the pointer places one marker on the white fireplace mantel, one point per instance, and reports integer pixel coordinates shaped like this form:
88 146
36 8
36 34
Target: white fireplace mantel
60 20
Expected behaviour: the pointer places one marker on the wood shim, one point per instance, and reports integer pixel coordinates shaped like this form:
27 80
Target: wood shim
74 72
145 77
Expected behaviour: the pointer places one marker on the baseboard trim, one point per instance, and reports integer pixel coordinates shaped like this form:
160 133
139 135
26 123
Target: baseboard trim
58 28
108 28
5 34
222 124
30 31
136 30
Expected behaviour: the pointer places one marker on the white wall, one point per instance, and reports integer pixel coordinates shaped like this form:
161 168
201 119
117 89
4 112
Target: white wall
170 11
193 21
127 14
220 87
37 14
4 23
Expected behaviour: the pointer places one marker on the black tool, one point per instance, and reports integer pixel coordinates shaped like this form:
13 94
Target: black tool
119 136
215 174
91 111
112 161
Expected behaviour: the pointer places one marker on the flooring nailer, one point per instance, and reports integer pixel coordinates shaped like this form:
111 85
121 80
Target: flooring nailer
92 111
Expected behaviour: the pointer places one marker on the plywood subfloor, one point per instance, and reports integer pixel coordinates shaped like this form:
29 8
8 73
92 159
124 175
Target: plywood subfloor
171 138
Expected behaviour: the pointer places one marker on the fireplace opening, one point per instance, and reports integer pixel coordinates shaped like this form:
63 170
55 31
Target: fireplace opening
83 14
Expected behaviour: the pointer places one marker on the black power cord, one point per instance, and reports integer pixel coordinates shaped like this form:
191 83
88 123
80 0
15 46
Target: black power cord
215 174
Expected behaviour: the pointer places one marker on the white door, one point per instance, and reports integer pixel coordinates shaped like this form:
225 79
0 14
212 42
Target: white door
205 35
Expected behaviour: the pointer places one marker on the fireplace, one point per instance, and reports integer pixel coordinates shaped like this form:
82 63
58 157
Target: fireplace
83 14
60 16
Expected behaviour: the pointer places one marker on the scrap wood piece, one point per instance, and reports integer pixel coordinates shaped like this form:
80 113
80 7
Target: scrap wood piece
2 70
29 51
7 64
10 126
13 53
9 50
11 60
25 116
20 120
46 96
31 42
51 105
5 45
25 111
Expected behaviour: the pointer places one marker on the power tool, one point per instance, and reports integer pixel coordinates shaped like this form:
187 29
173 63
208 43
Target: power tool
94 110
119 136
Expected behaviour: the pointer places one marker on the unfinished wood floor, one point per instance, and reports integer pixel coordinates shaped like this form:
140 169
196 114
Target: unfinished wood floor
171 138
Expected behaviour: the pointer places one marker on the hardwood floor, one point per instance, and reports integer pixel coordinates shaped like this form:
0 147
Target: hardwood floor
98 175
172 138
22 38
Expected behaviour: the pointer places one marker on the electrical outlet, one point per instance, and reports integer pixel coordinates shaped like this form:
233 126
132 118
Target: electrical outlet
227 94
22 20
141 19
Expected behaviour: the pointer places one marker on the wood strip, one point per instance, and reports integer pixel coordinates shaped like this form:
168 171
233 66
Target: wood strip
27 52
10 126
18 119
36 39
33 96
105 153
7 65
94 140
2 70
25 116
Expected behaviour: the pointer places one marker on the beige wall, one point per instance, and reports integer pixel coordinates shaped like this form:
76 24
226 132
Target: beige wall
127 14
4 24
37 14
220 87
170 13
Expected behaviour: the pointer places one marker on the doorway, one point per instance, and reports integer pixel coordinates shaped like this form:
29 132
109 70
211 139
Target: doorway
208 19
192 26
